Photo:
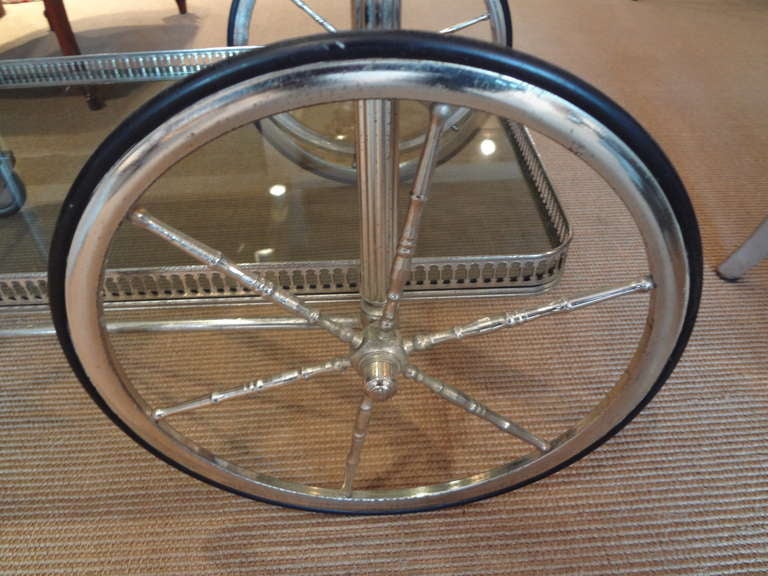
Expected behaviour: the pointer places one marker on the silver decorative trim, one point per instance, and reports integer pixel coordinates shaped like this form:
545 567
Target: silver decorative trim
114 68
503 275
466 275
533 169
23 290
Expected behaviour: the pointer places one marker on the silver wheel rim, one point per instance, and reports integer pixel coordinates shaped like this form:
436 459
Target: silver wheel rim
298 142
429 81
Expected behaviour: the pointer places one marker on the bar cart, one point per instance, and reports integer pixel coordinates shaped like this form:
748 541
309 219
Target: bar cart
409 226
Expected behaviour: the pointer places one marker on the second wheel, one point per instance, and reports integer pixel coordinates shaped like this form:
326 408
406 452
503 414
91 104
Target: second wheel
325 141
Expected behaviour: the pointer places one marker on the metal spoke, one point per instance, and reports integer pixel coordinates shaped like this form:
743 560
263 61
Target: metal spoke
462 400
358 439
304 373
491 324
315 16
219 324
215 259
202 325
465 24
401 266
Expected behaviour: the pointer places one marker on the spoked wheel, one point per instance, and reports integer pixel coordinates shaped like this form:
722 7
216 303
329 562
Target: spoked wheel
329 148
392 404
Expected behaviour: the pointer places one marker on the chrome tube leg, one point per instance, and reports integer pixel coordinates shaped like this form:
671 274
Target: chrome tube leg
754 249
12 193
377 156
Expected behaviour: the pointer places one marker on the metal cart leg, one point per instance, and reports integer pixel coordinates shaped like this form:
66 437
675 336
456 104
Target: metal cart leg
12 192
377 170
754 249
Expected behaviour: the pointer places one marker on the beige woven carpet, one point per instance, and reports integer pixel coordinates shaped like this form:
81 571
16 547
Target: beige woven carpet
682 490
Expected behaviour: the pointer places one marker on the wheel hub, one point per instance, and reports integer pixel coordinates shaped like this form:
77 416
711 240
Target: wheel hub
379 360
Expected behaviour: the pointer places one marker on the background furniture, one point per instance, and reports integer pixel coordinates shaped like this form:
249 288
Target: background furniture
754 249
59 23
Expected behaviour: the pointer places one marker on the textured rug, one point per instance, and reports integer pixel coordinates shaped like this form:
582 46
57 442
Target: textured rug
682 490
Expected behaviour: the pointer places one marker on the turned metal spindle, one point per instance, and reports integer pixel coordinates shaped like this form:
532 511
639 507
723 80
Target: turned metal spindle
377 159
216 260
254 387
358 439
464 25
476 408
491 324
315 16
406 247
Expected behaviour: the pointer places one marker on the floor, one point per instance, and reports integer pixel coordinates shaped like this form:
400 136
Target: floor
682 490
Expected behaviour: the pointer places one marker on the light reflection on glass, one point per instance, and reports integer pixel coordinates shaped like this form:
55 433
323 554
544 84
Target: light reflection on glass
487 147
277 190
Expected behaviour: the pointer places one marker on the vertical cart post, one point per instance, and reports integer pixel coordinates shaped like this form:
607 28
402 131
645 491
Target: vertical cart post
377 147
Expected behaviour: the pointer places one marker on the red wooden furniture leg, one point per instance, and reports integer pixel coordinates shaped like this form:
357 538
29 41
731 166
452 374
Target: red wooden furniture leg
59 23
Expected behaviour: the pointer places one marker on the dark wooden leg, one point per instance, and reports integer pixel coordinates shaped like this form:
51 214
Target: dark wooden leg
59 23
182 4
48 18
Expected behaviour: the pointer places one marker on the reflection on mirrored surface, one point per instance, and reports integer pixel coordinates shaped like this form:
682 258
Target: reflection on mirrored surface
250 201
52 134
241 195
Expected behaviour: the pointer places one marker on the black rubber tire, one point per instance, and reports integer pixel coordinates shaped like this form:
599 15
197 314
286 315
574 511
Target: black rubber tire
401 45
235 5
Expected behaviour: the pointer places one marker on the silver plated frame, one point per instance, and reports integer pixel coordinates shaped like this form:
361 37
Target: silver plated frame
374 353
